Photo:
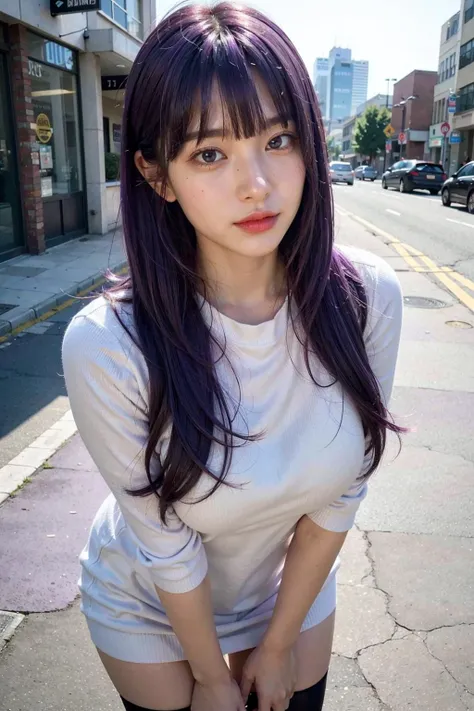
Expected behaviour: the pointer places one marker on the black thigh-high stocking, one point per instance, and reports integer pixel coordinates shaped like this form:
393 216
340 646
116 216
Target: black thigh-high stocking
311 699
133 707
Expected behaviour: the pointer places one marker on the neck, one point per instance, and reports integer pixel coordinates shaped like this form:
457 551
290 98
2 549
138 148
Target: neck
248 289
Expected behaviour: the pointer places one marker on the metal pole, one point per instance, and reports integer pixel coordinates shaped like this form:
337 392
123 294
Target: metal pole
403 128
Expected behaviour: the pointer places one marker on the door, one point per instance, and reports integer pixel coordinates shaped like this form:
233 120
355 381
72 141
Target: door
462 183
11 233
392 177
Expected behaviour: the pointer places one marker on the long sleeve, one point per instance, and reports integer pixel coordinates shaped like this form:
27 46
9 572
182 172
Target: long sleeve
382 339
106 383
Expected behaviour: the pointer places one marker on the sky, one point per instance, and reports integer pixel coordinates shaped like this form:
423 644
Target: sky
394 39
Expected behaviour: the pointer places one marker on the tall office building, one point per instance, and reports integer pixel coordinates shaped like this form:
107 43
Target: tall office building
340 83
360 82
321 84
341 90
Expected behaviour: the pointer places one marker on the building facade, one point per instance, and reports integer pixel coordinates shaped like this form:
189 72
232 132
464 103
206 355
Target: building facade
340 90
463 122
412 113
360 83
341 84
321 85
60 117
444 95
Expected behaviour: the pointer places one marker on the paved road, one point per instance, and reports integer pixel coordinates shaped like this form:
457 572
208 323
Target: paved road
32 386
446 235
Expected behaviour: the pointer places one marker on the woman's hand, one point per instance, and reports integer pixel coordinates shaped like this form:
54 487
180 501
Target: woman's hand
220 696
273 675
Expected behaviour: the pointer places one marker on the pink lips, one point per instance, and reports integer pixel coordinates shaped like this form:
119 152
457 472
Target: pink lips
258 222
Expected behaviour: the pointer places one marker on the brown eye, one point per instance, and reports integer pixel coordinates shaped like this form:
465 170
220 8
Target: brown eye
284 140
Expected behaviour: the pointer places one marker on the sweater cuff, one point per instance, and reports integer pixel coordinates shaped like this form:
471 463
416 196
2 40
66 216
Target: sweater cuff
181 578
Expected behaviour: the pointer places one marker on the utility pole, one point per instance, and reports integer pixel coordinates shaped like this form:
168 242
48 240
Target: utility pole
403 106
387 98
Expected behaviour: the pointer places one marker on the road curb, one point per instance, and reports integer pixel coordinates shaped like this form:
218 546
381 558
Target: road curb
47 308
9 621
33 457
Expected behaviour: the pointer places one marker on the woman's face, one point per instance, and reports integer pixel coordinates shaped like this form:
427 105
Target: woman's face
222 182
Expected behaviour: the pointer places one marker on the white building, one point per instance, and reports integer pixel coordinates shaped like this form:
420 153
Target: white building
440 147
321 84
61 115
360 83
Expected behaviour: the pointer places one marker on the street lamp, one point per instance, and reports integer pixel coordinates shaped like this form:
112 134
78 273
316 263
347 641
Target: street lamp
403 105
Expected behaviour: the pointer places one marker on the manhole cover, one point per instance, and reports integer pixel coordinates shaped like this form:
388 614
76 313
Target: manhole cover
5 307
459 324
423 302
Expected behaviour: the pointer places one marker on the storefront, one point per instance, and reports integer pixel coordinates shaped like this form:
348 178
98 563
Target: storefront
11 227
55 102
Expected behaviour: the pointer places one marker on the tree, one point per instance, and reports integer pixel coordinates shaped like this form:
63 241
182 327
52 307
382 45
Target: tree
334 149
369 137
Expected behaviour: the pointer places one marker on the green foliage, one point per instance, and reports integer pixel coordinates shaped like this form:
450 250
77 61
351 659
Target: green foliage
369 138
112 167
334 149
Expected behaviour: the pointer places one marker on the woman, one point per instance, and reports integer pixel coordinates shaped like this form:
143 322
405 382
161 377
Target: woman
233 390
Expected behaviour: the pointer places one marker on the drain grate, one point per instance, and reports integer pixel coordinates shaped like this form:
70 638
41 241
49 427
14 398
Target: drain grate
5 307
423 302
459 324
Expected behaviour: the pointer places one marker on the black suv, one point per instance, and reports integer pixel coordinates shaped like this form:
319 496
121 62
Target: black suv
409 175
460 188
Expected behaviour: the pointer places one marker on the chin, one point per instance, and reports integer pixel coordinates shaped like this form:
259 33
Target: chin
260 245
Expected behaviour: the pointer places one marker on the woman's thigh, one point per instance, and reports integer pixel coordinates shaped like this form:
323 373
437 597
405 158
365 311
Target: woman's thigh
161 687
313 654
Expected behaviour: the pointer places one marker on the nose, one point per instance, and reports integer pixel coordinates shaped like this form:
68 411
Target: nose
253 184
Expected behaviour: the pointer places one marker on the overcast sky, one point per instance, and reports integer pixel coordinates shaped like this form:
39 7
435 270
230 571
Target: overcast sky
394 37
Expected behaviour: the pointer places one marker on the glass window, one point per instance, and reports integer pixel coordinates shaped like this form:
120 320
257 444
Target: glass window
396 166
56 119
466 98
46 51
468 10
127 13
429 168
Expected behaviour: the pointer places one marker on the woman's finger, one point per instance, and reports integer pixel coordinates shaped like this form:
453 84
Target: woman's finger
245 686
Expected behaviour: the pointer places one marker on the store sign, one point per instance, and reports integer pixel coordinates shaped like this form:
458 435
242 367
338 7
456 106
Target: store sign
43 129
67 7
35 69
110 83
455 137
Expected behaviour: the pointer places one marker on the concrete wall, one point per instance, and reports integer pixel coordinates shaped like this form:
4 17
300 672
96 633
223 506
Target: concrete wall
113 205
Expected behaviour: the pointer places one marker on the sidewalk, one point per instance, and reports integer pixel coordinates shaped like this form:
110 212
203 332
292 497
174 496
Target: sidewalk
405 623
33 286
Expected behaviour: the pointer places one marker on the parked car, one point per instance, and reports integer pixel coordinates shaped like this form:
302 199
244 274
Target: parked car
409 175
365 172
460 188
341 172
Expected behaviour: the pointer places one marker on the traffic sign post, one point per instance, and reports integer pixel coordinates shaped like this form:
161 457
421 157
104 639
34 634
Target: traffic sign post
389 130
452 104
402 138
445 128
388 146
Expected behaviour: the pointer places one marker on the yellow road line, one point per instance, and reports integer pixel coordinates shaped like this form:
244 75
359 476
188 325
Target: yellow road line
411 255
403 252
57 309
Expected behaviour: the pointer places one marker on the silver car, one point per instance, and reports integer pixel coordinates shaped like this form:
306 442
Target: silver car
365 172
341 172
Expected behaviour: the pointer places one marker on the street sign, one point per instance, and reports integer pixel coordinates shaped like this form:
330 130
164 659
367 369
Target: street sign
452 104
388 146
109 83
402 137
445 128
67 7
455 137
389 130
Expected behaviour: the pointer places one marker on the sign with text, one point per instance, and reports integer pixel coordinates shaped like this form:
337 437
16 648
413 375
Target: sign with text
402 138
455 137
112 83
452 104
445 128
67 7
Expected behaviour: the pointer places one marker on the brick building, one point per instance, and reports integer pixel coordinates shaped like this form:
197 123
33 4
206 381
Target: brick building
412 112
60 116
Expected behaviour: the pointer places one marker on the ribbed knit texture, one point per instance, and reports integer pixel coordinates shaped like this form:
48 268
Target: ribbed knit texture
307 461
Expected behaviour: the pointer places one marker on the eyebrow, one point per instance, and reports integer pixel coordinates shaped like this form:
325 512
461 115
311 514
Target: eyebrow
219 132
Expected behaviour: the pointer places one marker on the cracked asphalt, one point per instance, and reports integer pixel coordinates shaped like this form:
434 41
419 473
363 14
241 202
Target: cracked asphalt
405 622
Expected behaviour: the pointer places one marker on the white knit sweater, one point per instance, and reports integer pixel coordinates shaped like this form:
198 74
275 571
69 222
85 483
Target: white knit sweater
307 461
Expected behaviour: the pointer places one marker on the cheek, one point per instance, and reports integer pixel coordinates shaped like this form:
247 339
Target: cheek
199 201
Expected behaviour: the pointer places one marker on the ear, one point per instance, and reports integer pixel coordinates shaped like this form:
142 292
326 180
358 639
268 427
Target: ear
150 173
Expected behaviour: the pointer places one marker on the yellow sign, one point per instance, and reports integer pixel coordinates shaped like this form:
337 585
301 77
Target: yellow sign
44 130
389 130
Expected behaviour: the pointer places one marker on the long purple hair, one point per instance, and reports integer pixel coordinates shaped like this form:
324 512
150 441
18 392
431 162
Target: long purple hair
191 50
